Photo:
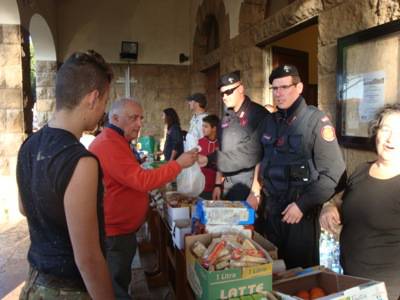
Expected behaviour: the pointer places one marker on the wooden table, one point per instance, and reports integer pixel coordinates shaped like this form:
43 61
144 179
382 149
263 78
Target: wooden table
171 260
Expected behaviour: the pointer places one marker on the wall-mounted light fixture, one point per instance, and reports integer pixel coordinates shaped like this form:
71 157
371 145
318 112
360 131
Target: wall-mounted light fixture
183 58
129 51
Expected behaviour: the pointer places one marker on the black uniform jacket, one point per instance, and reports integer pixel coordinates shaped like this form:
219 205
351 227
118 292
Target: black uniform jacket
240 143
302 160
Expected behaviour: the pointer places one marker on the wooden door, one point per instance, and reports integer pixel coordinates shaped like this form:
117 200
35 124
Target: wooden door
299 59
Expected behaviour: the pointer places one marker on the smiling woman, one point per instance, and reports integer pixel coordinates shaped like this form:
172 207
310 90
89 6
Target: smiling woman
370 214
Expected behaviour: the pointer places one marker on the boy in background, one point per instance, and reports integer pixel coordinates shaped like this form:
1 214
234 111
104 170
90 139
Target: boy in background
209 144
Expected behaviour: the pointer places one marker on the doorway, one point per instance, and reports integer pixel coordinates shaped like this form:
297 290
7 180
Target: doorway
300 59
298 48
214 105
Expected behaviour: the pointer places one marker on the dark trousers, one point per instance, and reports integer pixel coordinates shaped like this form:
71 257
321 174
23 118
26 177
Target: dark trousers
120 252
238 187
298 244
206 195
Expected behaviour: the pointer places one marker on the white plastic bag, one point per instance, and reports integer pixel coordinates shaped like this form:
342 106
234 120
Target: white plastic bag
191 181
190 142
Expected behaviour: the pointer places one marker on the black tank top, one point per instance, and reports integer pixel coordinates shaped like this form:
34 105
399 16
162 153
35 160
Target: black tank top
46 162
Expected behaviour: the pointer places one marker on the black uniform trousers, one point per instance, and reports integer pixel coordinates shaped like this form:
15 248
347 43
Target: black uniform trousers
237 187
298 244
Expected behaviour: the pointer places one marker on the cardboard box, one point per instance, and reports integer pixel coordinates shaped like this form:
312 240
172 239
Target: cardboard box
180 228
177 213
267 245
335 285
230 283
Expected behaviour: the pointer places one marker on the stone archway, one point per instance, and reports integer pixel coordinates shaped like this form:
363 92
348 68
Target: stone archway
45 69
11 106
212 31
210 13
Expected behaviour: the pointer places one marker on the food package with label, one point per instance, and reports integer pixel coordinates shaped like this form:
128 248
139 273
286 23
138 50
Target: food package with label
222 212
246 230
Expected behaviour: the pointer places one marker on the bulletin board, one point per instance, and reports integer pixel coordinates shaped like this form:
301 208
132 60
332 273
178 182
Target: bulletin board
367 79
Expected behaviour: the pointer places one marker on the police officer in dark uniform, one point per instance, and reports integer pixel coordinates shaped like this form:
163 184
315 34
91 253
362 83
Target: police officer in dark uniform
301 167
240 147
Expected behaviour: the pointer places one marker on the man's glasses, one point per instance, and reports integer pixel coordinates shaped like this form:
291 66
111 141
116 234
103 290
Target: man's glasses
230 91
282 87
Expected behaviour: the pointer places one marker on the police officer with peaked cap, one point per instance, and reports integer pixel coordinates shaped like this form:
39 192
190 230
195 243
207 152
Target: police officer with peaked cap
240 147
300 169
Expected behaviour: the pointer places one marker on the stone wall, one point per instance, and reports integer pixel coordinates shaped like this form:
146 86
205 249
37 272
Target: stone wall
156 87
341 18
11 117
243 55
336 18
240 53
45 91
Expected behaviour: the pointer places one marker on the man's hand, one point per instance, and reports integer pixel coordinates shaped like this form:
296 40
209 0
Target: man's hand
202 160
216 194
187 158
330 218
292 214
253 200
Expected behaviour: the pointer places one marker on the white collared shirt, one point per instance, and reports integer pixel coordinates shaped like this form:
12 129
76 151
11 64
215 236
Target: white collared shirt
196 125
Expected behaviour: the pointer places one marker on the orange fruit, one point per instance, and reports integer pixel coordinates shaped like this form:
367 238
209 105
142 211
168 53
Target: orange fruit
303 295
317 292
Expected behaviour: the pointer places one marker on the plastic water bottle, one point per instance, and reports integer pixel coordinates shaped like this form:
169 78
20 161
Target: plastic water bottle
329 250
336 267
150 158
324 250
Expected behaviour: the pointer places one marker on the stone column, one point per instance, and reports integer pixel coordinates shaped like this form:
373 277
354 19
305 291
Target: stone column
45 91
11 117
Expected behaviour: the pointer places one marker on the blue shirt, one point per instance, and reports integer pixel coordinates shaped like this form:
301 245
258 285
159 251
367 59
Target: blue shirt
173 141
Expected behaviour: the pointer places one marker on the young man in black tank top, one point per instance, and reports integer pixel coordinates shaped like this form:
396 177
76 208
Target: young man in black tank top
61 192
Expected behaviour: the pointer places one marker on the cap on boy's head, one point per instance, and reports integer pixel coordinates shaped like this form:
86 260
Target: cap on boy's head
283 71
199 98
229 78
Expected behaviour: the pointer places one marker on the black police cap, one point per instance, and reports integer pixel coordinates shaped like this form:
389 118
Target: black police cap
229 78
199 98
283 71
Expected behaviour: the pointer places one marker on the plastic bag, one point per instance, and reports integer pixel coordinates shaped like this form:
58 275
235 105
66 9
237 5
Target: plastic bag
190 142
191 181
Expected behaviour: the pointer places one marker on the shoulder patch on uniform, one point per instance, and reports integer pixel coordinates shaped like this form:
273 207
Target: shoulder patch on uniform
328 133
325 119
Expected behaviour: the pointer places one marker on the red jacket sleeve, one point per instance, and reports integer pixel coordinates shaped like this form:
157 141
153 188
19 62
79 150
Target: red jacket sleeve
118 162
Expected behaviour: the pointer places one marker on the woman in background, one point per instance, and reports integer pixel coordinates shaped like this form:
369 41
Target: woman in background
174 140
370 209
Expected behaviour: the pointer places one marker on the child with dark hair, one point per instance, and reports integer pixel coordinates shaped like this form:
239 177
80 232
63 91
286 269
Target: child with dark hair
174 140
209 144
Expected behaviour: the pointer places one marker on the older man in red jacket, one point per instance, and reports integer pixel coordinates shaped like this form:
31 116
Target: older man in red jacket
127 185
